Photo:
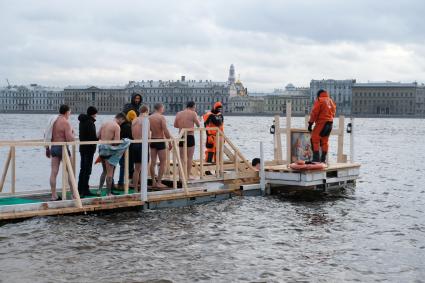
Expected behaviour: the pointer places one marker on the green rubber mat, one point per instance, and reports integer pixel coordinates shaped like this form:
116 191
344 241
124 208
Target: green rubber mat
15 200
94 191
26 200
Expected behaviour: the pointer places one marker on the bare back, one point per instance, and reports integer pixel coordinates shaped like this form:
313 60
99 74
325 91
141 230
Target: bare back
109 131
158 126
186 119
62 130
137 128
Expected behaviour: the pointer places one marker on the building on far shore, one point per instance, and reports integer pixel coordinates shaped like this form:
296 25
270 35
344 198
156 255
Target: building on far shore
339 90
175 94
246 105
105 99
275 103
385 99
420 100
272 102
33 98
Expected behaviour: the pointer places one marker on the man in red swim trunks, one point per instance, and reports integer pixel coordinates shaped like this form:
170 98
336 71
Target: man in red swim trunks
321 116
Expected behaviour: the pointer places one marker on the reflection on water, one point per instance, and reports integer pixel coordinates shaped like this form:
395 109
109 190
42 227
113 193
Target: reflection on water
375 232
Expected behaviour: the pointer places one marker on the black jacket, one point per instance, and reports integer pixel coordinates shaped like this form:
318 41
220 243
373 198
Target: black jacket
126 131
133 105
87 132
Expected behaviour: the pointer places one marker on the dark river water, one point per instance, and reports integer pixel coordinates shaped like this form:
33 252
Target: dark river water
375 232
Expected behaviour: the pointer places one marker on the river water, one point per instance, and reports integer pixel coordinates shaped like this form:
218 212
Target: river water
375 232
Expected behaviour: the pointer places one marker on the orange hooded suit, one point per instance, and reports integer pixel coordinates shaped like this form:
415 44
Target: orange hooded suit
322 116
213 119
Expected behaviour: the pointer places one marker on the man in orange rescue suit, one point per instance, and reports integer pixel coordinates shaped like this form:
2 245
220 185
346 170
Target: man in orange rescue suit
213 119
321 116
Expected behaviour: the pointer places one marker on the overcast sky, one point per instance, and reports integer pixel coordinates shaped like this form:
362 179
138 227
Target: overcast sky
271 43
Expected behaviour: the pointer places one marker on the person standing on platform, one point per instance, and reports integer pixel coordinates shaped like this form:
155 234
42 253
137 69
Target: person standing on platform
110 154
187 119
136 148
136 101
159 130
61 131
213 119
321 116
87 132
126 134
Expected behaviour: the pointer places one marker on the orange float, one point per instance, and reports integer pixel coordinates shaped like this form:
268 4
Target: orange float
302 166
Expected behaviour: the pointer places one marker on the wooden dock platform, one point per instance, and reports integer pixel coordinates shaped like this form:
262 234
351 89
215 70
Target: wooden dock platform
29 205
335 175
338 173
230 175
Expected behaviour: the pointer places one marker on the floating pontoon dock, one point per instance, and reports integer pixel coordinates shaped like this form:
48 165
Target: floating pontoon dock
230 175
280 178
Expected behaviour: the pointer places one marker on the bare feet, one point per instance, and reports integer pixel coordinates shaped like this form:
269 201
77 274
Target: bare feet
56 198
160 185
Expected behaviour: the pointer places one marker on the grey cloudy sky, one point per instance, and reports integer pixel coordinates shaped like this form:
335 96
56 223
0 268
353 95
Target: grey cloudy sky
270 42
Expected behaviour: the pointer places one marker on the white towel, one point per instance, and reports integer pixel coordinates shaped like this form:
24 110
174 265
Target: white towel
49 130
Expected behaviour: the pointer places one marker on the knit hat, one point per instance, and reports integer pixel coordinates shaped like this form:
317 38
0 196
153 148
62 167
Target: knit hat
131 115
91 110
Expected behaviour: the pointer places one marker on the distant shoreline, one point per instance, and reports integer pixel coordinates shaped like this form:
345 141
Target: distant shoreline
234 114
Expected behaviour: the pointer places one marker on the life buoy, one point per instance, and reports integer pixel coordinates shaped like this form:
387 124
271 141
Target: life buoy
302 166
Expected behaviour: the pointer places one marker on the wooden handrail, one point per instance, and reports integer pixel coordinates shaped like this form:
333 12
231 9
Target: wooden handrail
76 142
179 171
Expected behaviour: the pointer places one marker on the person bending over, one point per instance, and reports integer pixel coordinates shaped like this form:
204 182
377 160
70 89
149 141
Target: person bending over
109 131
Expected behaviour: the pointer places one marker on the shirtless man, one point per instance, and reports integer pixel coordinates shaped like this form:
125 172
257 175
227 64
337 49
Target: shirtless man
136 148
158 127
61 132
109 131
187 119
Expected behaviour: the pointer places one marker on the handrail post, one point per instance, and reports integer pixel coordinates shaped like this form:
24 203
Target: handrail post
236 159
126 171
201 153
73 183
306 120
181 171
74 158
277 140
64 175
13 188
5 169
352 141
340 150
288 131
185 155
222 156
174 168
262 170
144 171
217 154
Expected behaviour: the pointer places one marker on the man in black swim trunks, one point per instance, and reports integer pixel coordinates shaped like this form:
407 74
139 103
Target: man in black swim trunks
159 130
187 119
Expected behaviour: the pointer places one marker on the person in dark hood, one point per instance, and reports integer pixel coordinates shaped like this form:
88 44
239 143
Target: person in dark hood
136 102
87 132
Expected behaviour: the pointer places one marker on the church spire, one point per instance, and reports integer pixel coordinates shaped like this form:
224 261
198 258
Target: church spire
232 78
